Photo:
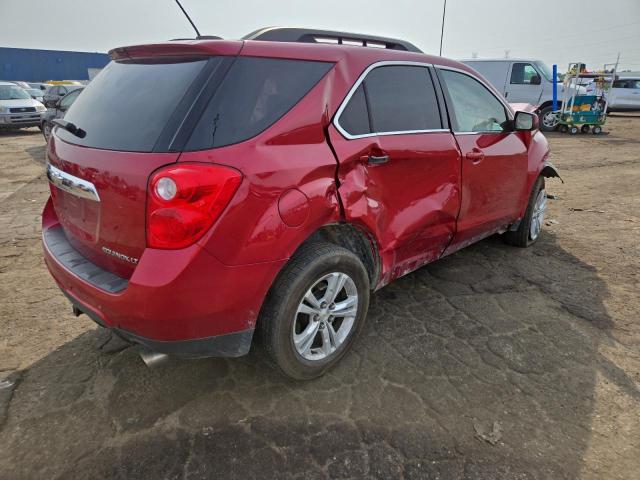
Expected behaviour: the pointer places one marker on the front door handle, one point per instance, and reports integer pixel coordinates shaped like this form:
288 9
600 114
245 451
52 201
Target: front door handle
476 155
378 159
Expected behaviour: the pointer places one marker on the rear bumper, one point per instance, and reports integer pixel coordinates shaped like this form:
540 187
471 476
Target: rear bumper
229 345
182 302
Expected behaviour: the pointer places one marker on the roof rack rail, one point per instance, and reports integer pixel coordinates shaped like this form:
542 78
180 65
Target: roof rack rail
305 35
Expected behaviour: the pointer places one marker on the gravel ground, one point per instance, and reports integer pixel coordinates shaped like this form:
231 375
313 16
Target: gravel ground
496 363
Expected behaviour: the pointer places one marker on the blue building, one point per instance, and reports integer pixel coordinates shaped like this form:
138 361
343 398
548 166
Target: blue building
42 65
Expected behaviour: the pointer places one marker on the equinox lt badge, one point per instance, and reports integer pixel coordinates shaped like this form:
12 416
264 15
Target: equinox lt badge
120 256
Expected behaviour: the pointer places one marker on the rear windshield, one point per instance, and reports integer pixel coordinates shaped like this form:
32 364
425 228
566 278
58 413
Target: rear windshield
127 105
254 94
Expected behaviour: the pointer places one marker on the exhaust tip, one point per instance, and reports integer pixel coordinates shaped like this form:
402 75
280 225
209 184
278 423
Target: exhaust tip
153 359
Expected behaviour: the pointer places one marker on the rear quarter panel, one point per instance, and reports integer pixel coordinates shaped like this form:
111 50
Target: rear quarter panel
288 173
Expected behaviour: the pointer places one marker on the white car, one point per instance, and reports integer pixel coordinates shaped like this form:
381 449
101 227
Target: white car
625 94
17 108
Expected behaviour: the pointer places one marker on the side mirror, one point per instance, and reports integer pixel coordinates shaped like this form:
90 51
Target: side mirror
535 80
526 121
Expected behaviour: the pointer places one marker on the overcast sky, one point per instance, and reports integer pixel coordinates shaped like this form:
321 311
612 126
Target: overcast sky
556 31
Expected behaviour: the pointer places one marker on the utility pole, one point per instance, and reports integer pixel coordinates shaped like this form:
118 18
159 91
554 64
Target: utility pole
444 12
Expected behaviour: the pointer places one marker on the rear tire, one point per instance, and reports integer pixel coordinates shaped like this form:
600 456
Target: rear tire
584 128
531 225
597 130
46 130
299 332
573 130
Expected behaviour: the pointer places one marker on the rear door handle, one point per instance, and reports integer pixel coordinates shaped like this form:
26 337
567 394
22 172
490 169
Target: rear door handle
378 159
476 155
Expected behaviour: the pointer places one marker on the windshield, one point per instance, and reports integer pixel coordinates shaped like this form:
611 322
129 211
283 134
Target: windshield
12 92
35 91
546 71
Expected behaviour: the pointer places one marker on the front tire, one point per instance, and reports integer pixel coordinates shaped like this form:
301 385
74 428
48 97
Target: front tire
530 226
548 119
315 310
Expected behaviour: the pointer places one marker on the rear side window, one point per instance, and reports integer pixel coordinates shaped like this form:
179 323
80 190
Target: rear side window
128 104
355 116
392 99
255 93
402 98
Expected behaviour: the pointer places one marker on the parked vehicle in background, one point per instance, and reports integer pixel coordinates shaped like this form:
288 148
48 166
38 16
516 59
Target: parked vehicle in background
56 92
17 108
524 81
39 85
57 111
35 93
274 185
24 85
625 94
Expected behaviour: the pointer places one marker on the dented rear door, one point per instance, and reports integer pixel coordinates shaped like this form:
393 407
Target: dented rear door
399 168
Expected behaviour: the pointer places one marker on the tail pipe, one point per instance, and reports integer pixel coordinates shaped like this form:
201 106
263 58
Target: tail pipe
153 359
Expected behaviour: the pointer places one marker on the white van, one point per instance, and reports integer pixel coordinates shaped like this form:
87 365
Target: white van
524 81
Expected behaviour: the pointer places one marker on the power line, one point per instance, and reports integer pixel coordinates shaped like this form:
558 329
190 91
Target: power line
555 39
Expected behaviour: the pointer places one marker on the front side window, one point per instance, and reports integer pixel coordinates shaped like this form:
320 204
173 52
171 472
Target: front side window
546 71
474 107
392 99
524 74
255 93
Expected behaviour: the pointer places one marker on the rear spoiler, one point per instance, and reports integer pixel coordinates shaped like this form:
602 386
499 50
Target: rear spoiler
177 49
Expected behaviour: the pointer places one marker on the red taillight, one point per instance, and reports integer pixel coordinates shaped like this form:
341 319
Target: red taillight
185 200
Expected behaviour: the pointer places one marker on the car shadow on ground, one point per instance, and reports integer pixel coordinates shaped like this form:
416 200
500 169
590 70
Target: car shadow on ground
23 132
482 365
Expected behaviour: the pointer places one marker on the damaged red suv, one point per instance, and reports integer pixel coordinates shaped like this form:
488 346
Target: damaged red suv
201 190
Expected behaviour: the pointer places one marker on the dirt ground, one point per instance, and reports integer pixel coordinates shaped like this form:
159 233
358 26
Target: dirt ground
495 363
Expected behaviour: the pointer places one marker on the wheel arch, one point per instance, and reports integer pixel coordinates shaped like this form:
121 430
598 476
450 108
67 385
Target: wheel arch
353 238
549 171
548 103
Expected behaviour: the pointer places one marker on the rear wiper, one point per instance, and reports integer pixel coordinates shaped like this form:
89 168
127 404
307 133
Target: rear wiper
69 127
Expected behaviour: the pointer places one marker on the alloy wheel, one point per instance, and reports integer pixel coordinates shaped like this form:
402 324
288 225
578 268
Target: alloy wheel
550 119
537 217
325 316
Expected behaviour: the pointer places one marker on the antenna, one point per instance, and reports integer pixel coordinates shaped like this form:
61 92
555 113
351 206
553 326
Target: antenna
444 11
189 18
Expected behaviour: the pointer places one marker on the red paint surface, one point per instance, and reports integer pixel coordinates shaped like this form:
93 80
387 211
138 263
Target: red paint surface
427 201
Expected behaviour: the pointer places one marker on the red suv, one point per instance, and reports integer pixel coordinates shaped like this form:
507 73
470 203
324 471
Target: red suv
203 189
